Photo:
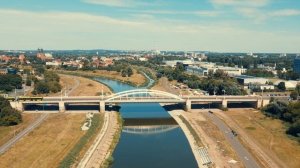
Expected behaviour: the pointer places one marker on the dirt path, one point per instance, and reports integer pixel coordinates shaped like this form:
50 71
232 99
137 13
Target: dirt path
98 152
220 151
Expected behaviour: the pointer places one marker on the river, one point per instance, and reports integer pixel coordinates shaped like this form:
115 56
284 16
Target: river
150 138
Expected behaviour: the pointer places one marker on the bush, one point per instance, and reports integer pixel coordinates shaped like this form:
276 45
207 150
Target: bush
8 115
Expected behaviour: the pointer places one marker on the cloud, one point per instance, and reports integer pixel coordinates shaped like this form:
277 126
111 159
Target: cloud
204 13
259 15
253 3
285 12
117 3
76 30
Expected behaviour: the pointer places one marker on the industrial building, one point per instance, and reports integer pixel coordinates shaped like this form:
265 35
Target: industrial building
246 80
203 68
297 65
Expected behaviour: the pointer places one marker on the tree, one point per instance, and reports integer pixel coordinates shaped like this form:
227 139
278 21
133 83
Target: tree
8 115
281 86
129 71
294 95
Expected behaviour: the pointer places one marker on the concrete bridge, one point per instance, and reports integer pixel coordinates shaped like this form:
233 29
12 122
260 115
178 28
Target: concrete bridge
139 96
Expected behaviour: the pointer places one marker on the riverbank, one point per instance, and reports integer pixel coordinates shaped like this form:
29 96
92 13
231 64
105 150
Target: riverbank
212 139
104 143
193 144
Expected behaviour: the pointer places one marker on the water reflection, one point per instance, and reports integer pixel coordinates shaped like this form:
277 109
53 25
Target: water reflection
149 126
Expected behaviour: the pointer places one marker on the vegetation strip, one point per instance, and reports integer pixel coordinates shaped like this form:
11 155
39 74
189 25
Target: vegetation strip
73 155
192 131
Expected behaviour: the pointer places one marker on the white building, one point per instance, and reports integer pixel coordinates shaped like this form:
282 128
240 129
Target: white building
202 69
246 80
289 85
54 63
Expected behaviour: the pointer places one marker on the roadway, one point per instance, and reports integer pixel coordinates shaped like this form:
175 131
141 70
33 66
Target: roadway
247 159
16 138
32 126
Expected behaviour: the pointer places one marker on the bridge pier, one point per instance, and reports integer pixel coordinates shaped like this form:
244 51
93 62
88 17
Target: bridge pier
265 102
259 104
188 105
102 106
224 103
61 106
17 105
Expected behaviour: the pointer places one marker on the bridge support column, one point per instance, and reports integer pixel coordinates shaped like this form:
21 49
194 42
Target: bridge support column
259 104
102 106
224 103
265 102
188 105
61 106
17 105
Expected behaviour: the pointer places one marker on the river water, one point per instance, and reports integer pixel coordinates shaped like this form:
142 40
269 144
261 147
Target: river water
150 138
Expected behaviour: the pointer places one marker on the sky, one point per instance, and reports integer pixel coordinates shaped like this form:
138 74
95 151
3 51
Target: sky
183 25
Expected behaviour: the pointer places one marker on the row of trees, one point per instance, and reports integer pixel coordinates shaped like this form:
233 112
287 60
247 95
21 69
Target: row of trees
8 82
289 113
216 82
259 73
50 83
235 59
8 115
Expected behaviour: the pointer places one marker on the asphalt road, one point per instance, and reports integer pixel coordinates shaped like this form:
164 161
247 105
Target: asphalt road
16 138
240 150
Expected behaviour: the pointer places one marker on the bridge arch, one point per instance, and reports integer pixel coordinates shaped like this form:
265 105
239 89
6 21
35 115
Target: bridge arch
143 93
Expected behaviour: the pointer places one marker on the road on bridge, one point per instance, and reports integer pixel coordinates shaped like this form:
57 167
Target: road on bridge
247 159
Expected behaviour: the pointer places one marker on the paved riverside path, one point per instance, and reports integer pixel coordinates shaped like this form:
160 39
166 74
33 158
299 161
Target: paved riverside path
16 138
240 150
99 151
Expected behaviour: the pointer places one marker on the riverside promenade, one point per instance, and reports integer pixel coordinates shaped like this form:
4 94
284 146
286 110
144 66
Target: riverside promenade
100 149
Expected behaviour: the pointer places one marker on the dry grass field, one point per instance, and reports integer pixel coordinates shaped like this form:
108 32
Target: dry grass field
269 133
86 87
47 145
7 133
136 78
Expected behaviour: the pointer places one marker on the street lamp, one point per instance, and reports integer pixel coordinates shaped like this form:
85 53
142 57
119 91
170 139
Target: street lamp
224 91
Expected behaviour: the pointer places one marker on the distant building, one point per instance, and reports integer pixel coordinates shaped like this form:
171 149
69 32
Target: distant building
289 85
246 80
22 58
54 63
11 71
3 71
202 69
297 65
5 58
173 63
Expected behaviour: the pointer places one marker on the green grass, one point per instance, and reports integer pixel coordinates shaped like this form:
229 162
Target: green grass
192 131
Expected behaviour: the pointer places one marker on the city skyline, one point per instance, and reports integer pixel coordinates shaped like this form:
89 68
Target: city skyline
210 25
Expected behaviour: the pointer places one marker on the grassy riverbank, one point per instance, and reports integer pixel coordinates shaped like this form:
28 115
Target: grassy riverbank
82 145
109 159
